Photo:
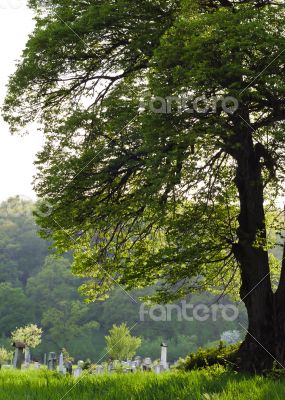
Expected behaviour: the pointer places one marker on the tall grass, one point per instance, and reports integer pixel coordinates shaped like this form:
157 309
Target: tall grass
207 385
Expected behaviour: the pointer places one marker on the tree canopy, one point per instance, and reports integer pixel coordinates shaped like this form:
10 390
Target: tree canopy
142 196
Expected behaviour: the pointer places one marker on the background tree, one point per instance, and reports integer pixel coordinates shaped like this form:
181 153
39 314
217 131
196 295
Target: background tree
67 321
21 250
15 308
119 181
52 282
120 345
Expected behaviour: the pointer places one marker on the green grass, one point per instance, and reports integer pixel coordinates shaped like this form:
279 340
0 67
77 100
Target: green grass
216 384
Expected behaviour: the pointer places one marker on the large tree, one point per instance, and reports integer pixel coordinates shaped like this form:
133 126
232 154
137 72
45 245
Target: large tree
176 197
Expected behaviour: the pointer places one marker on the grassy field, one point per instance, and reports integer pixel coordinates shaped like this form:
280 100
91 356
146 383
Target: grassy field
41 385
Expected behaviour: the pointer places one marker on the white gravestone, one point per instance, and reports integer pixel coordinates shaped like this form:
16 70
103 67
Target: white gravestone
78 371
99 369
61 368
147 364
37 365
163 356
27 357
138 361
157 369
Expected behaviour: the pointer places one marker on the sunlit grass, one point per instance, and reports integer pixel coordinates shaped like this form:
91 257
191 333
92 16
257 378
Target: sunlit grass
214 384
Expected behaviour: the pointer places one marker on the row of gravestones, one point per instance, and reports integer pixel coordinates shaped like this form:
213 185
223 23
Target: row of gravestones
138 364
22 355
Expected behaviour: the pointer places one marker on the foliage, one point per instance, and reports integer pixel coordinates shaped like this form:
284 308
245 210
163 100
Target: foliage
51 293
137 170
66 356
120 344
31 335
67 321
221 355
52 284
22 251
87 364
15 308
5 355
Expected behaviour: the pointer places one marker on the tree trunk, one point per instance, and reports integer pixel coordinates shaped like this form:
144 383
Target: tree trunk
280 317
256 291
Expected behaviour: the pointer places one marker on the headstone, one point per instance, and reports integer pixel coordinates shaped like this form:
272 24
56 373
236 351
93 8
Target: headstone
45 359
78 371
133 366
68 367
111 367
163 356
138 361
147 364
127 370
19 354
27 357
126 365
157 369
61 368
99 369
37 365
52 361
162 367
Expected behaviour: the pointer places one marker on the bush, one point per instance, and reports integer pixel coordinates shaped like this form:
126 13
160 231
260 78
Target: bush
5 355
221 355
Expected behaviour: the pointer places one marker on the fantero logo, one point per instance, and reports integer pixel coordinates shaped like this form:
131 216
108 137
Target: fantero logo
189 104
189 312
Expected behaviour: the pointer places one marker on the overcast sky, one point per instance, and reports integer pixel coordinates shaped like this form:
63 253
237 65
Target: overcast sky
17 154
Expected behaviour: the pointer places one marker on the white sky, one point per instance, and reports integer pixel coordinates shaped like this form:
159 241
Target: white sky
17 154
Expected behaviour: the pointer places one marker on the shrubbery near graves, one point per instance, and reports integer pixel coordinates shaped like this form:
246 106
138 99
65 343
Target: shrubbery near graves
30 335
120 344
5 355
221 355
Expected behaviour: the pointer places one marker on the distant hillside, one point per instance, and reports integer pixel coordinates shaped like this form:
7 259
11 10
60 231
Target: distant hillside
37 287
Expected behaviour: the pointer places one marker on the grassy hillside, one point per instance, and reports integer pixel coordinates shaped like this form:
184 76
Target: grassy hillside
216 384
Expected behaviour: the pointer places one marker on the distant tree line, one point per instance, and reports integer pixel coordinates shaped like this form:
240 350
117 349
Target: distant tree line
37 286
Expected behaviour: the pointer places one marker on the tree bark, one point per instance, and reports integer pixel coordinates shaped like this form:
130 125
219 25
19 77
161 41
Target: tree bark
280 316
257 352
